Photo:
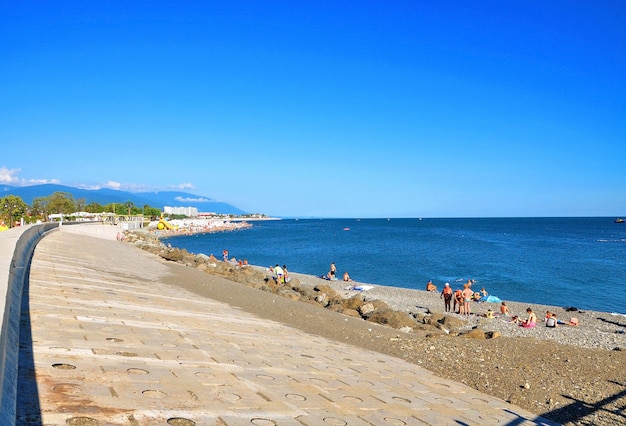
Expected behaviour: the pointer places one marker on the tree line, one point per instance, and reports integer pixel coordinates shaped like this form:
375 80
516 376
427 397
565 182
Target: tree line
13 209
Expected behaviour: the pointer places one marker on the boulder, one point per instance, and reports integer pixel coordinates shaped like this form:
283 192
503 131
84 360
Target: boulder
452 323
173 255
493 334
391 318
366 308
475 333
353 303
351 313
289 294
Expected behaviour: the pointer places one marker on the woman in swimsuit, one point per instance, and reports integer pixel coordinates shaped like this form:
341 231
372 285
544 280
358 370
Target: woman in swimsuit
531 321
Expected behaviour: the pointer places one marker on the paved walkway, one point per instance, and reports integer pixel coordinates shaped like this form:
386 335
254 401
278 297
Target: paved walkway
113 345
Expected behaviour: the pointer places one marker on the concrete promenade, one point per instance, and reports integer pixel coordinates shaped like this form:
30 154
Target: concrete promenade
106 339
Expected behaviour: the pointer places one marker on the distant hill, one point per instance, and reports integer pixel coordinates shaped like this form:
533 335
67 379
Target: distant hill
157 199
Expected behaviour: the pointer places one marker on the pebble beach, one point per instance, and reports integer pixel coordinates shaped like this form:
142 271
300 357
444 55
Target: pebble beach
596 330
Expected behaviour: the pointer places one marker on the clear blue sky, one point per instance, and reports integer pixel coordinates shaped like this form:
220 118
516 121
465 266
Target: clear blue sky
323 108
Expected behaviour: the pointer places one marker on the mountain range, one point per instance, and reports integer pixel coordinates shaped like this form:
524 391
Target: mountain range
156 199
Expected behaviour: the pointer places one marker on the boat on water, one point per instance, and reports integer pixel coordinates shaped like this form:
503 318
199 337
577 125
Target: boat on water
620 220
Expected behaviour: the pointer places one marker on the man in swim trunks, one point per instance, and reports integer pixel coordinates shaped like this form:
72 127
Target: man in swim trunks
467 298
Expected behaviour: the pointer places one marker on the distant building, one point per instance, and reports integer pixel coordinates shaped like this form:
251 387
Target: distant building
186 211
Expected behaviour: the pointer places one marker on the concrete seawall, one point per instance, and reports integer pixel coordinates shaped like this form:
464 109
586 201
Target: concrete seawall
16 249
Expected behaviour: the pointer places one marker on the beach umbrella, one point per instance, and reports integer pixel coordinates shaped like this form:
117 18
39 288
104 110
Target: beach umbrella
491 299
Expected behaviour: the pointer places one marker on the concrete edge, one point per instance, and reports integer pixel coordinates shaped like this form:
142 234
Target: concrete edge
10 329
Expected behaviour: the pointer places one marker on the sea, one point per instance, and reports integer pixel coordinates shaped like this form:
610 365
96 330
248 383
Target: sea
567 262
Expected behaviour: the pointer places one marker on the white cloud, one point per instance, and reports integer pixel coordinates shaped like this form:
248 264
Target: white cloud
185 185
112 184
40 181
89 187
192 200
8 175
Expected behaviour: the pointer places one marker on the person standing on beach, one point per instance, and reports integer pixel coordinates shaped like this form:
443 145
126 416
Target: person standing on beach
467 298
458 300
279 274
446 293
333 271
225 255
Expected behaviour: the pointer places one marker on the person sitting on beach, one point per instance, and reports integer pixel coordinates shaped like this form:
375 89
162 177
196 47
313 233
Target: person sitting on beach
489 314
430 286
483 292
531 321
446 294
551 321
476 296
346 277
504 310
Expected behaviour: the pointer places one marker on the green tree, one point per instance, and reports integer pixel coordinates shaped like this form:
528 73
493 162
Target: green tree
12 209
94 207
111 208
80 204
39 207
60 202
151 212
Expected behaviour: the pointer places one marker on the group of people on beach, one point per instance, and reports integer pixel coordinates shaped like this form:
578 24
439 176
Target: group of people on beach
332 274
232 260
550 320
280 274
458 298
459 302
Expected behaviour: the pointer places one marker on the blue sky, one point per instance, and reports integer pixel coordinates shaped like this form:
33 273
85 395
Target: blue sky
323 108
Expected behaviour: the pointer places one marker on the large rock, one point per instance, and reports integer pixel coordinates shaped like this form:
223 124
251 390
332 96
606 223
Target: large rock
452 323
173 255
391 318
326 295
475 333
354 302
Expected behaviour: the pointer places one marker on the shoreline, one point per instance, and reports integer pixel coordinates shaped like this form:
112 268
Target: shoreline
596 329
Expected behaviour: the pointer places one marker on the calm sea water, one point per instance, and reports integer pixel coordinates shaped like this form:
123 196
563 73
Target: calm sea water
577 262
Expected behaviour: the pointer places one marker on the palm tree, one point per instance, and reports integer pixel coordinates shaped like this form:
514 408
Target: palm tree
129 205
